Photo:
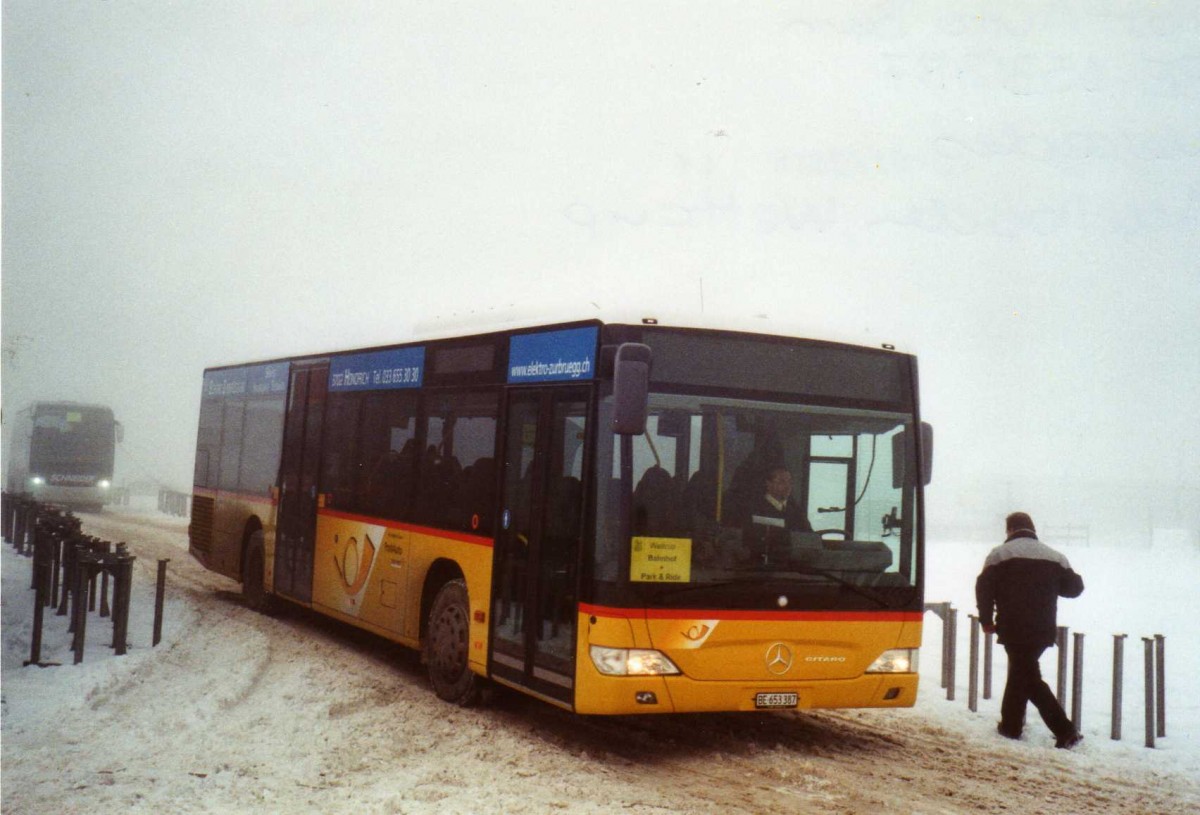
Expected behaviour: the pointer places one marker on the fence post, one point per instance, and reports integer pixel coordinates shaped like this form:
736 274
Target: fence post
987 665
1062 643
1118 690
1149 668
1160 662
951 678
947 642
973 674
1077 685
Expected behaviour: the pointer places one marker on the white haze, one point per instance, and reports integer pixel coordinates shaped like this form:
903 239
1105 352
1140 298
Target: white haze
1011 192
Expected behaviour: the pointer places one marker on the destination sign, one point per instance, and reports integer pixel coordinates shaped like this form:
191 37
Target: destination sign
553 356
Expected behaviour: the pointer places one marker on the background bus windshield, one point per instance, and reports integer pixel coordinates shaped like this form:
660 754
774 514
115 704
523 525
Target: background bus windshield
76 437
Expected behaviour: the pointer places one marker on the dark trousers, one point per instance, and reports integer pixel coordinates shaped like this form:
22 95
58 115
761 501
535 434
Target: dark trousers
1025 684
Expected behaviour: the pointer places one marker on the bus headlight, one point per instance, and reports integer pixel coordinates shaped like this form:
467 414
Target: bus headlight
631 662
37 481
104 483
896 661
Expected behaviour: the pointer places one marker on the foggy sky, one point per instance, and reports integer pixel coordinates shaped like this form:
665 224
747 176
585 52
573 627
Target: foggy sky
1012 193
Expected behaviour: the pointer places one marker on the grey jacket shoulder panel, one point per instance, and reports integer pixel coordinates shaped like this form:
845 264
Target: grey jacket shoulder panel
1026 549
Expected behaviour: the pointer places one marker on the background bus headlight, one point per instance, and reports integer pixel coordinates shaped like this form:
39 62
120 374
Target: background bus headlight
631 662
37 481
104 484
896 661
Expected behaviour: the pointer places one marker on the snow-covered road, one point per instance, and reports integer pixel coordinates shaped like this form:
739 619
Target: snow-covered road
236 712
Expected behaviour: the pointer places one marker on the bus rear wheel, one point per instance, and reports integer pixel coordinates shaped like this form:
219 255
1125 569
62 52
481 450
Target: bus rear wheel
253 577
447 645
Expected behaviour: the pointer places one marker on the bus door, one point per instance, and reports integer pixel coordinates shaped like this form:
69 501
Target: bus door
538 543
296 533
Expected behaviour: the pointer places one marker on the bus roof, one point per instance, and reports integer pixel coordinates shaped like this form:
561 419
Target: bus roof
474 324
489 322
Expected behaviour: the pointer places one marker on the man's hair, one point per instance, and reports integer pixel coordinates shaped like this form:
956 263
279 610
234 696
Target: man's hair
1019 522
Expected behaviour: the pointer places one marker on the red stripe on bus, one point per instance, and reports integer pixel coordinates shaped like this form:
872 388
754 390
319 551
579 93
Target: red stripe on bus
421 530
742 615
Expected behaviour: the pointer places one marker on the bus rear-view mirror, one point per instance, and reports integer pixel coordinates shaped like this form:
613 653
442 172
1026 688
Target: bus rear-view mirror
631 386
902 452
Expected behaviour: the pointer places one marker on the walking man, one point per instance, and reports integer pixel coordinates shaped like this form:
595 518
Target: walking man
1017 593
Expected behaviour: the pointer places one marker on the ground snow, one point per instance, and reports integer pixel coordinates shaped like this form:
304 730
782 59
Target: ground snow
235 712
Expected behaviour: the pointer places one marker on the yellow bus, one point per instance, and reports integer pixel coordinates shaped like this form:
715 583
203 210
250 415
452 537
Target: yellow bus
616 517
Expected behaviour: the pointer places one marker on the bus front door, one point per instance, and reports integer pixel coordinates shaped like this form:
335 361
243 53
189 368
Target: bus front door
295 537
533 615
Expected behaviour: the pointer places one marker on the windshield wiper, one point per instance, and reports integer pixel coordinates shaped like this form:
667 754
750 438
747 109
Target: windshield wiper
774 577
719 584
862 591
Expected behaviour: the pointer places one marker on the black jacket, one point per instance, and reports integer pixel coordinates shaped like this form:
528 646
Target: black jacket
1020 584
792 514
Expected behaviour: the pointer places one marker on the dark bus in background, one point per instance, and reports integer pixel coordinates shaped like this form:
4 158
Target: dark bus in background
62 453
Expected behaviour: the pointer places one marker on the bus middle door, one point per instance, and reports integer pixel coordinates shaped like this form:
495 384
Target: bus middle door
295 539
533 616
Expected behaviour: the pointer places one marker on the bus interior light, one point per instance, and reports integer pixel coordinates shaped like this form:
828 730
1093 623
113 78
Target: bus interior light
896 661
632 662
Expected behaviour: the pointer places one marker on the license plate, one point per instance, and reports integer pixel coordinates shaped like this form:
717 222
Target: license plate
770 700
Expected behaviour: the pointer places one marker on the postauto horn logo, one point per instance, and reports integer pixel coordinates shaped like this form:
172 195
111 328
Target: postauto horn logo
353 565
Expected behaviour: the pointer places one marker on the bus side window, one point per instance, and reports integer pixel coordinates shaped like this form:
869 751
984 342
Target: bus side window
455 486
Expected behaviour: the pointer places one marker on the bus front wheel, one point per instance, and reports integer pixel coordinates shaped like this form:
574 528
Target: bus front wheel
447 645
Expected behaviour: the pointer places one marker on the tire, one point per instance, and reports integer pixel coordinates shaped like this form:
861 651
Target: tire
253 576
447 645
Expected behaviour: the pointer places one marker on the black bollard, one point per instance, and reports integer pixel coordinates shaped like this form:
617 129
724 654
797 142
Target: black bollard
122 592
1077 684
105 551
57 556
1118 690
18 533
42 565
79 608
75 568
93 577
1149 670
32 509
159 594
1160 674
1061 642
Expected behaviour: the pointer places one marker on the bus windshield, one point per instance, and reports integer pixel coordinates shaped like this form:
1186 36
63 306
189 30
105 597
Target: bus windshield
749 504
72 436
